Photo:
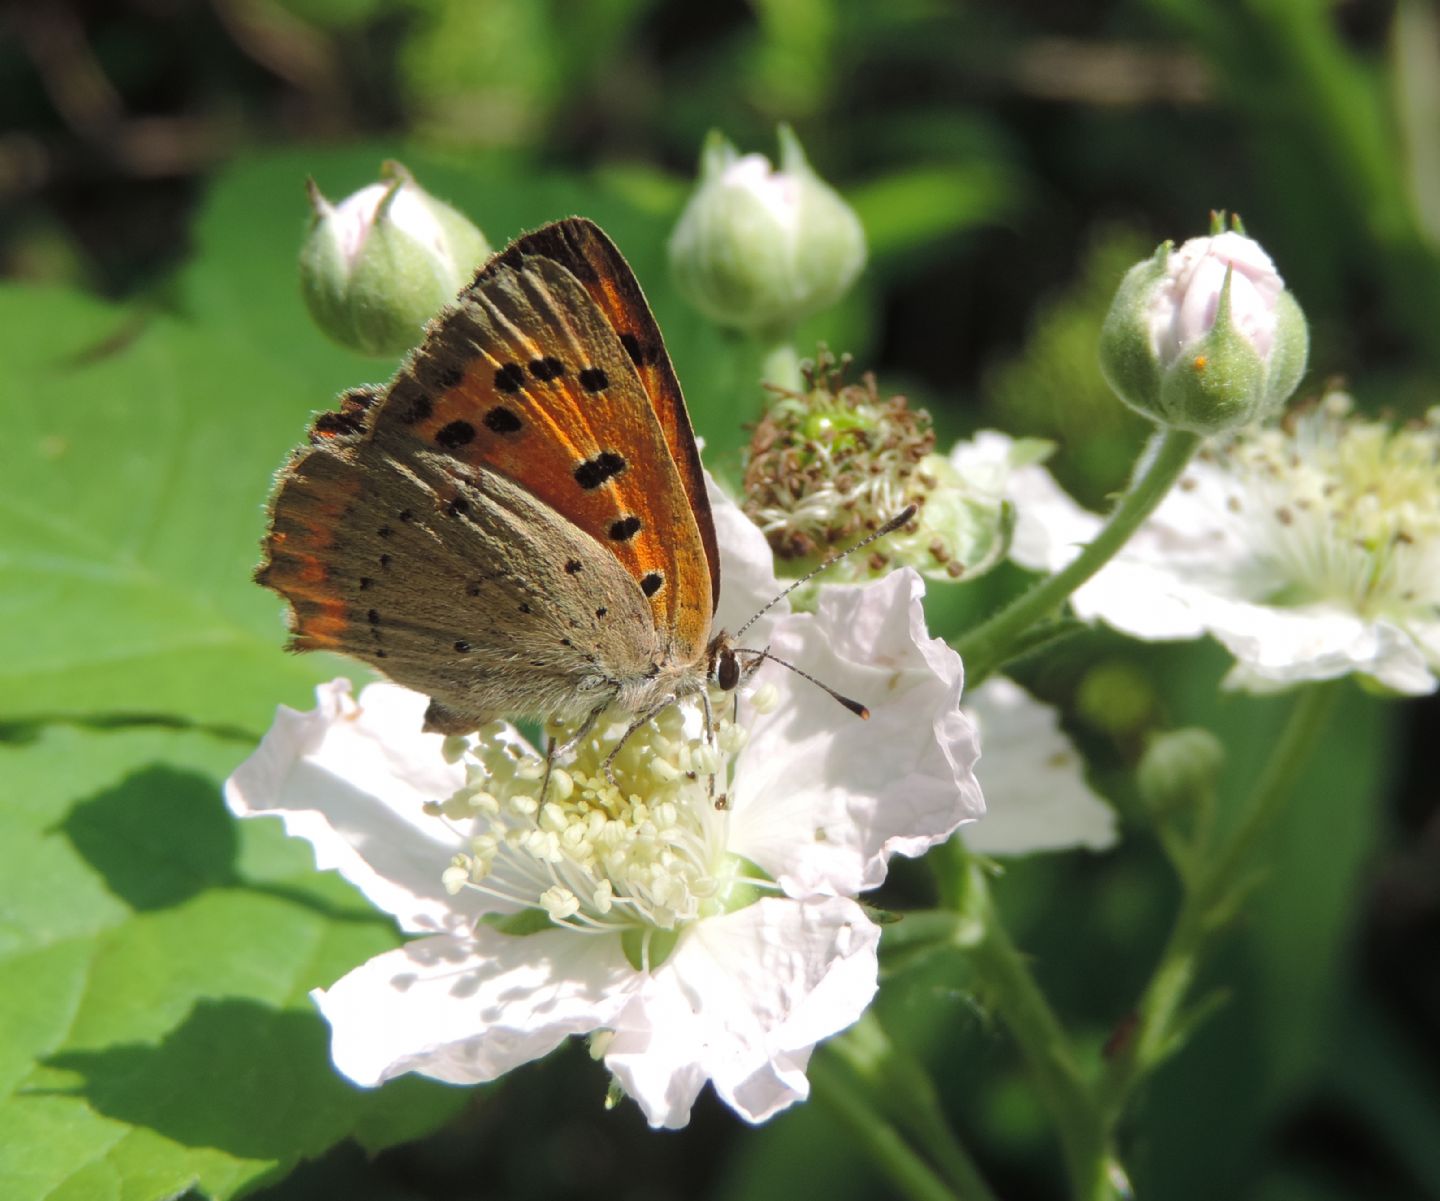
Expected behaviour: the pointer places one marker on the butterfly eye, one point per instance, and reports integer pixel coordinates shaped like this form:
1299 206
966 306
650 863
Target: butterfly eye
727 671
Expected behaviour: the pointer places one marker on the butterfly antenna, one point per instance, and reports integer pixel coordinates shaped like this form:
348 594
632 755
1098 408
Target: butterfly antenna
854 706
888 528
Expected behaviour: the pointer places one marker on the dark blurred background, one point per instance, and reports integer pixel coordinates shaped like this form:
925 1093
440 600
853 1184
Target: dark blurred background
1009 161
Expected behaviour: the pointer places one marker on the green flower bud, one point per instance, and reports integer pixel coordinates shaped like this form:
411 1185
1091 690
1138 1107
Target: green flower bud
377 266
760 250
1204 338
1179 769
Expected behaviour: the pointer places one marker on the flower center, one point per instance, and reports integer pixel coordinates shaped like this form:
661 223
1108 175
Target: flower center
1342 508
834 462
639 842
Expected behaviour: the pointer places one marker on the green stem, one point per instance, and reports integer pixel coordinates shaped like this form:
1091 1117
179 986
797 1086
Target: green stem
780 363
836 1088
989 645
1045 1048
893 1073
1220 884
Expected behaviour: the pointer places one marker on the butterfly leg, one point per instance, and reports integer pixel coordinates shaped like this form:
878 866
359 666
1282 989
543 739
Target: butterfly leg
722 801
549 765
572 744
640 720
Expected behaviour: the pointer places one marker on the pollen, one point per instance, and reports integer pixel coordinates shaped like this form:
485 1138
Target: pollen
600 844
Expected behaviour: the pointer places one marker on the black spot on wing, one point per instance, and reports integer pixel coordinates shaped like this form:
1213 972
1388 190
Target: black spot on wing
624 529
651 582
455 435
501 420
410 402
639 353
509 377
594 472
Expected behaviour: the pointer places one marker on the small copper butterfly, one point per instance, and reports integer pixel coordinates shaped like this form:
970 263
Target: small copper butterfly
517 525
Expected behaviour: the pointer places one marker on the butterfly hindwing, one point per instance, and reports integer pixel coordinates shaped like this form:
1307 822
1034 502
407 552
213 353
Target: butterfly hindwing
443 585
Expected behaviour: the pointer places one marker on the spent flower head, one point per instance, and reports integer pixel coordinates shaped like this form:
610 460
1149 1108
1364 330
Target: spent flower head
697 931
1309 547
1205 338
375 267
759 249
834 461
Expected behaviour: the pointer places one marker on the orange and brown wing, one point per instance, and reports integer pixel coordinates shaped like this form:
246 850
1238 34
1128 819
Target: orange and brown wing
584 250
527 376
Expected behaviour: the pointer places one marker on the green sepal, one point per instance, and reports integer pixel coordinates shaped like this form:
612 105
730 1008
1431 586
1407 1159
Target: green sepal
1218 382
518 925
1127 359
646 947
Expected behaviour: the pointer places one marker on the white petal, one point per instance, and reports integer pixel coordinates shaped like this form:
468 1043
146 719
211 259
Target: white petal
742 1002
1034 779
1144 600
351 779
1050 528
822 799
747 569
1278 647
467 1008
1167 579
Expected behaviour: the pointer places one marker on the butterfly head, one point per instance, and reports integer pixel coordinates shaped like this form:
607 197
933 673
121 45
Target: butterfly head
724 670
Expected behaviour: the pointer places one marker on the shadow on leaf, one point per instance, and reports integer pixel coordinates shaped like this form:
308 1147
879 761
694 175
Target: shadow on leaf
157 838
238 1076
24 731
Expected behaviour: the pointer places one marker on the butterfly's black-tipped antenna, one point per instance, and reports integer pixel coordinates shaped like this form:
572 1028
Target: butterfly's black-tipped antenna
888 528
854 706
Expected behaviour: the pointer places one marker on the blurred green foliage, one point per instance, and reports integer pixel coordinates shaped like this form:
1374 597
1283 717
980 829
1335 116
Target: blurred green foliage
1008 161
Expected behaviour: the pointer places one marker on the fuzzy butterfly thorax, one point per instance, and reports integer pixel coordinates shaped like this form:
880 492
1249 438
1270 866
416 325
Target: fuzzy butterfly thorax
517 525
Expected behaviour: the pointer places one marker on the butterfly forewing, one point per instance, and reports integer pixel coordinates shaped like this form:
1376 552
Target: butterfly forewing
527 379
583 249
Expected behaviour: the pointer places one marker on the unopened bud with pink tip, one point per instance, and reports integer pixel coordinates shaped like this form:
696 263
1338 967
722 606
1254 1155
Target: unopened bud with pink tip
1205 338
378 265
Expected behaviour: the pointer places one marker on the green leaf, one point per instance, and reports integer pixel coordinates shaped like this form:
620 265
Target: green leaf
155 960
130 515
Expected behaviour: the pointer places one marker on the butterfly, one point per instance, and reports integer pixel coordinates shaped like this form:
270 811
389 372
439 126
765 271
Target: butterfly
517 524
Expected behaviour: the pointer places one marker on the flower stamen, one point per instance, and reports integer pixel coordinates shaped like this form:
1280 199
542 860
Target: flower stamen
621 841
